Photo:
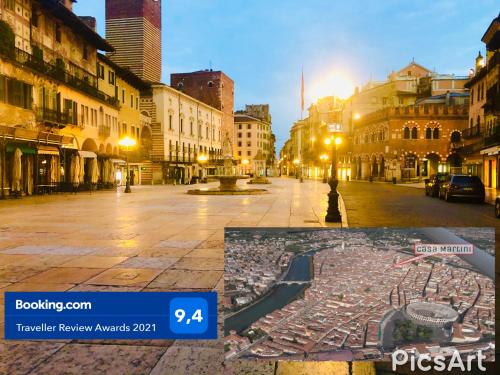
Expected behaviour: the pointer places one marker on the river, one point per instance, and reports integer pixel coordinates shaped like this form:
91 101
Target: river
301 269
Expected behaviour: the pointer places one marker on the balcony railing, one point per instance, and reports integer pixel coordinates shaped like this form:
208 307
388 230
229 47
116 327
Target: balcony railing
492 136
474 131
52 115
84 81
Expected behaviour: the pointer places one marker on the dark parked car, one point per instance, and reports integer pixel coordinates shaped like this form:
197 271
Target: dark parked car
433 183
497 207
462 186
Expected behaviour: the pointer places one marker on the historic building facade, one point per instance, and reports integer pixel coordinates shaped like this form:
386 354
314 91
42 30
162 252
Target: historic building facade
254 144
213 88
183 129
407 142
57 110
482 135
133 27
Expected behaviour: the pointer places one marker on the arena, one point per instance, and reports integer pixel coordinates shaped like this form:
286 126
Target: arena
431 314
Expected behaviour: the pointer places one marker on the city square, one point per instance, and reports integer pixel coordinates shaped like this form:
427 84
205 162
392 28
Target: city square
134 133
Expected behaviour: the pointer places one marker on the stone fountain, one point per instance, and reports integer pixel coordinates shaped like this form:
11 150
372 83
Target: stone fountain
227 176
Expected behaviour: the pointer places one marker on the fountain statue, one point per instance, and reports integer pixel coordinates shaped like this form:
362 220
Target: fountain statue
227 176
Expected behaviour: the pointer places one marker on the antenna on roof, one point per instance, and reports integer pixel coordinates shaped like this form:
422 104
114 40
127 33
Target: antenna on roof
210 64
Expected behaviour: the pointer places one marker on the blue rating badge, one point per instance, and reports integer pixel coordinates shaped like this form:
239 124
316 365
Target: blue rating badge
188 315
110 315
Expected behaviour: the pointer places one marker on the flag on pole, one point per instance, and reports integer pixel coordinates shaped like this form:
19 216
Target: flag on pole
302 92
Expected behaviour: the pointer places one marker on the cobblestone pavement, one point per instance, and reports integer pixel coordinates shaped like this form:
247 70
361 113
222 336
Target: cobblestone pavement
156 239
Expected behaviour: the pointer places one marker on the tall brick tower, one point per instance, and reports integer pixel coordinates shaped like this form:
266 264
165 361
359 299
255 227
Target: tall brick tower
213 88
133 27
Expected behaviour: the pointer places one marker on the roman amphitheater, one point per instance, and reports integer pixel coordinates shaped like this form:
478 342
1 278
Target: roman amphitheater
431 314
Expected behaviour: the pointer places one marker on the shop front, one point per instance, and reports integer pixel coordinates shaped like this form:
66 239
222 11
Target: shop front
490 167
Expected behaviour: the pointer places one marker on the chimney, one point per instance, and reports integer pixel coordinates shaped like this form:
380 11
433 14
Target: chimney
89 21
68 3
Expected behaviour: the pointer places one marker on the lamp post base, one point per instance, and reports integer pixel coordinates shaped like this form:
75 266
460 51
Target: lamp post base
333 213
127 189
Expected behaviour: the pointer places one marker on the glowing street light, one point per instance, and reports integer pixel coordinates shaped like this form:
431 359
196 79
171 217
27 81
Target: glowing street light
333 214
127 143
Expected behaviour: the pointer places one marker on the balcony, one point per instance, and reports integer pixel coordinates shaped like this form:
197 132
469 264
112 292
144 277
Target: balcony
472 132
82 80
52 115
492 137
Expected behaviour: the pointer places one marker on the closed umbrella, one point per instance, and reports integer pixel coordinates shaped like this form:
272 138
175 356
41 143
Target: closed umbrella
16 171
82 170
75 170
94 171
29 182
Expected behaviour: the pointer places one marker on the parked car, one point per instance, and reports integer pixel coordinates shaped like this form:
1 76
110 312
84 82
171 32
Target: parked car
497 207
462 186
433 183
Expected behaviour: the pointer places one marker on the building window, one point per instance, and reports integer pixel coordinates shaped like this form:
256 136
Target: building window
249 135
210 84
10 4
111 77
123 96
239 144
100 71
239 153
191 128
85 52
428 133
239 135
131 101
249 126
169 122
240 126
249 153
249 144
406 132
137 103
58 33
19 94
181 129
435 133
456 137
414 133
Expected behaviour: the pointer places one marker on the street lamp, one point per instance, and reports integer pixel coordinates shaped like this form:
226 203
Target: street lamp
296 162
202 159
127 143
245 162
333 214
324 159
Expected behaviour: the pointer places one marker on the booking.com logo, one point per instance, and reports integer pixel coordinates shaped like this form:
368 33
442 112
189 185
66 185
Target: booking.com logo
424 362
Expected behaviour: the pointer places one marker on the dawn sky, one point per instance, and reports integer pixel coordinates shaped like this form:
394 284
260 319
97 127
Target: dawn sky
263 44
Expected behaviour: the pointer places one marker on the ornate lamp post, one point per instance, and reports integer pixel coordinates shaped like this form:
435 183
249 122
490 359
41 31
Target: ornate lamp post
202 159
127 143
324 159
333 213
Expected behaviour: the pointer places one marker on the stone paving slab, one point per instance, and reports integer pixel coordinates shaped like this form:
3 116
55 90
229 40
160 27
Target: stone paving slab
94 359
66 275
125 277
19 358
183 279
182 360
16 274
161 263
93 261
199 263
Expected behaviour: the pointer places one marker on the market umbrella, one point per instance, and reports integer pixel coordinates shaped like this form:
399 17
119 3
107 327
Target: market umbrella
16 170
54 170
82 170
94 171
29 178
75 170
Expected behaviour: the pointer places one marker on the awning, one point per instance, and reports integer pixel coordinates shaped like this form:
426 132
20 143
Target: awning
48 150
118 161
87 154
26 150
491 151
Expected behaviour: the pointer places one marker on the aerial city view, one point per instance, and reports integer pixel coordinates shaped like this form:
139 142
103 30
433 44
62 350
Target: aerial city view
356 294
